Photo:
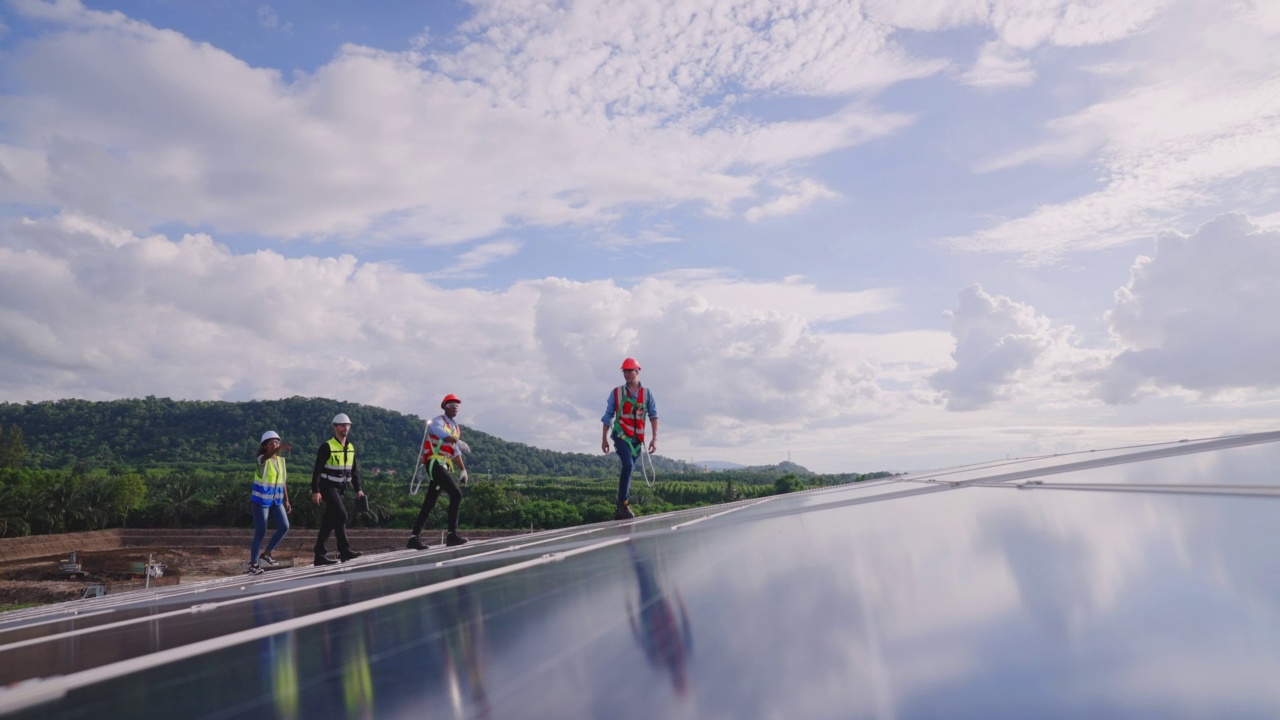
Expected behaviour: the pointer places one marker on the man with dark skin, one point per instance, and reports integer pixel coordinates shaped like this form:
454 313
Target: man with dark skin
441 454
335 468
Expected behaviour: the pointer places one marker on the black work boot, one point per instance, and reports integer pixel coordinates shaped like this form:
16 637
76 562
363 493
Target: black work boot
453 539
415 543
624 511
323 559
349 555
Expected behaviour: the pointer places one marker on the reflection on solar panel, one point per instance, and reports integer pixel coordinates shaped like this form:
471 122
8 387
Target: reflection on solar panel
1134 583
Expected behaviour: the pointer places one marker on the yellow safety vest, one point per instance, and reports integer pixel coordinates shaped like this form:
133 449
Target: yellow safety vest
341 459
268 482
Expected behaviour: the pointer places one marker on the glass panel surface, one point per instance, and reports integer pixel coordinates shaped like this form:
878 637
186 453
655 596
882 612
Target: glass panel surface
972 602
1048 464
1254 465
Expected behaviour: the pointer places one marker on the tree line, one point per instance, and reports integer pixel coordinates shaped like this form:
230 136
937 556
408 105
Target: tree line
75 465
36 502
155 432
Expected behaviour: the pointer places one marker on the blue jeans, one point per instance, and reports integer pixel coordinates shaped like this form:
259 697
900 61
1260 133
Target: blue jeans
621 447
260 518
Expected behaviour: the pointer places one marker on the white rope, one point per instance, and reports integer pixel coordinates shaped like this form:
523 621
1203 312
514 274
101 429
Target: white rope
415 482
650 473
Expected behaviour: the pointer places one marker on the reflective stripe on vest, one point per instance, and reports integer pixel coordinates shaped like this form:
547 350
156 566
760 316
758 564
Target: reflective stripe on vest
268 482
341 460
629 414
445 450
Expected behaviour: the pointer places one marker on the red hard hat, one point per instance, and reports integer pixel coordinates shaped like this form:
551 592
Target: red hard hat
448 399
630 364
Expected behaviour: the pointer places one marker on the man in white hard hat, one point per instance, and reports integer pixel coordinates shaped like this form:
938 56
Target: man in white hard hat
335 468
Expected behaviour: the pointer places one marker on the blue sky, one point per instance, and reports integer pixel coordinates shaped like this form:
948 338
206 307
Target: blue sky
876 235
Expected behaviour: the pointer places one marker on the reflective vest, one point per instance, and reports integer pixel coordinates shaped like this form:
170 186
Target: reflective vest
268 482
628 417
341 459
443 449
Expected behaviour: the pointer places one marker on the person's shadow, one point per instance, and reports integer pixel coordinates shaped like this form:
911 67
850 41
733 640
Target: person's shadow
666 640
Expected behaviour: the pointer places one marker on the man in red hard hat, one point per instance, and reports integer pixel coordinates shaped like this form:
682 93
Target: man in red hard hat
624 415
443 448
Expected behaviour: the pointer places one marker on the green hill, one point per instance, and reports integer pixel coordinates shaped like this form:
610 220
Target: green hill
75 465
182 434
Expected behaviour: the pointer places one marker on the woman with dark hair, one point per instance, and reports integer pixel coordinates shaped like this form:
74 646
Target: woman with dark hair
270 497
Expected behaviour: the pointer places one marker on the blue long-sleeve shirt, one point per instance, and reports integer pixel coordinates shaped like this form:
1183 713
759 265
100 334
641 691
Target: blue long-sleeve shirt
610 408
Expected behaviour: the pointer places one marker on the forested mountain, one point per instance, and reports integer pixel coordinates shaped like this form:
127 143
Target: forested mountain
162 433
77 465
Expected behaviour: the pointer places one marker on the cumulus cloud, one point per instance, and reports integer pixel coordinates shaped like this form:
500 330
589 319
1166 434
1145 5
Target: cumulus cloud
92 310
1194 124
1196 315
997 343
545 114
539 117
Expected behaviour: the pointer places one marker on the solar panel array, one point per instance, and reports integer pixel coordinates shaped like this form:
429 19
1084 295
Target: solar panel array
1134 582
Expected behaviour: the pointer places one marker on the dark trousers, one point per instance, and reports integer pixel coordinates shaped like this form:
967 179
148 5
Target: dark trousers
440 480
334 519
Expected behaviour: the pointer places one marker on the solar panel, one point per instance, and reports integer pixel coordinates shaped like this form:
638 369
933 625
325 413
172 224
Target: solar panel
1066 586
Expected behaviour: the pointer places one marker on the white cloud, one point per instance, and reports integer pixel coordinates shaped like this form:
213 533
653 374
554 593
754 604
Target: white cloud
1197 315
267 16
89 310
792 296
794 198
645 236
1069 23
1020 27
999 66
635 57
540 118
607 114
740 368
998 342
466 264
1196 124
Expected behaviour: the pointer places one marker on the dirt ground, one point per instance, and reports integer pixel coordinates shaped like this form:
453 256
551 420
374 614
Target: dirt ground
29 566
39 581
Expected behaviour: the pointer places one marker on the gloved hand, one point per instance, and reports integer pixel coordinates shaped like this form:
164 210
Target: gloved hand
463 477
464 447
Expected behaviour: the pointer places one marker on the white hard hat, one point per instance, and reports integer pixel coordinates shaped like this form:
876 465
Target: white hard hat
341 419
269 435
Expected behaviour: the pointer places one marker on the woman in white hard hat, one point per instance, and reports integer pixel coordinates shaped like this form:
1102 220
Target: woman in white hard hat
270 498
